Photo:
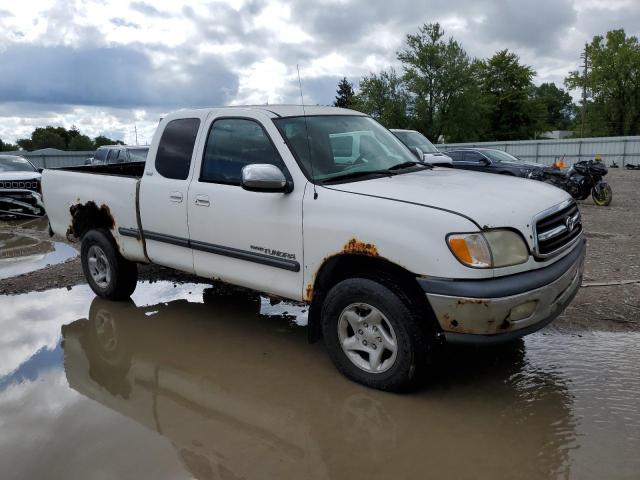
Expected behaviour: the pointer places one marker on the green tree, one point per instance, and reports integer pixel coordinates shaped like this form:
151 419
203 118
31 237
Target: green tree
384 97
440 79
558 105
101 140
345 96
49 137
7 147
80 142
25 144
507 88
613 81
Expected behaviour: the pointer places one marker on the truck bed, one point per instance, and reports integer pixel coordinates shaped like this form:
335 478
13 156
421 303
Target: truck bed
130 169
103 196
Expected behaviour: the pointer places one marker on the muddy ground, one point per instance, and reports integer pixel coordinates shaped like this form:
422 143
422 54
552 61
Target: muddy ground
613 239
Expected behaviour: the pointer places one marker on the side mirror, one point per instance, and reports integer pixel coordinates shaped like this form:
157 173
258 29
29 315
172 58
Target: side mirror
418 153
485 162
264 177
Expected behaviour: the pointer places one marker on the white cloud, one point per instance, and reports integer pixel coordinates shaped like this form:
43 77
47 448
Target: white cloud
107 65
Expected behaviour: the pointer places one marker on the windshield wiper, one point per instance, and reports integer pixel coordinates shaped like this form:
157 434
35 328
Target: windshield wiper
408 164
359 173
388 171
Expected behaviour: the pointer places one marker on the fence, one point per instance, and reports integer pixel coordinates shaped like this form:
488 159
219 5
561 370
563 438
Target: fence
57 160
621 150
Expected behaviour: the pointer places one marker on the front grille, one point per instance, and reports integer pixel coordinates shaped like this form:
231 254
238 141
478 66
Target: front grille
33 185
558 229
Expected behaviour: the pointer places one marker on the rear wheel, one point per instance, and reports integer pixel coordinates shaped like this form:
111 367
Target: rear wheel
108 273
373 334
604 197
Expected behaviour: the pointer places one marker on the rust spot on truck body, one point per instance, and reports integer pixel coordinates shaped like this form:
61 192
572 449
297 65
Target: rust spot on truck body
85 217
357 246
309 293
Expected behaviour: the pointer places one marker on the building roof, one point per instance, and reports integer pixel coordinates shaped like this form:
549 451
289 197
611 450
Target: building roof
46 151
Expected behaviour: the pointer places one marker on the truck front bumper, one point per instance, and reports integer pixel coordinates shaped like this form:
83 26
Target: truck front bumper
504 308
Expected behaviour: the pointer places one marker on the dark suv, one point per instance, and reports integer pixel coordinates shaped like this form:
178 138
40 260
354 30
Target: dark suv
491 161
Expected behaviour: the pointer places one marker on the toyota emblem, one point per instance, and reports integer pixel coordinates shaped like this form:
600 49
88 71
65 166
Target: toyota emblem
569 222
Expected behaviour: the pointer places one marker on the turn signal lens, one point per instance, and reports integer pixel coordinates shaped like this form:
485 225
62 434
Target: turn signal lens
471 249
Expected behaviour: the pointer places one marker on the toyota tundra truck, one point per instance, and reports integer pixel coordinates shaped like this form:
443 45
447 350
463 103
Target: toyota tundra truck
392 256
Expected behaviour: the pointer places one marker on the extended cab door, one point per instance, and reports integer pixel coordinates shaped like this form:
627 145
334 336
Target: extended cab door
247 238
164 189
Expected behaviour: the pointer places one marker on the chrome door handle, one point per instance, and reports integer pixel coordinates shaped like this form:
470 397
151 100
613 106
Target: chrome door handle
202 200
175 197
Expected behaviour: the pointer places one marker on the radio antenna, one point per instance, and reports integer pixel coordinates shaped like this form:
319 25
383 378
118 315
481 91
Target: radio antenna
306 128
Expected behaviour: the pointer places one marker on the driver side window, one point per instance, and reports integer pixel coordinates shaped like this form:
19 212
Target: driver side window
233 143
473 157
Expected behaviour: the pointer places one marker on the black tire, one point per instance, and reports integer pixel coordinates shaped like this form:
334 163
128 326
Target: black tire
414 344
123 273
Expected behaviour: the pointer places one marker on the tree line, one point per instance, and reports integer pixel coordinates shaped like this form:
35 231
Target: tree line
60 138
447 95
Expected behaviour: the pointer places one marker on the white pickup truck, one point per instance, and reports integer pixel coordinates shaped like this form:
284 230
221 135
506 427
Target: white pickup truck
392 255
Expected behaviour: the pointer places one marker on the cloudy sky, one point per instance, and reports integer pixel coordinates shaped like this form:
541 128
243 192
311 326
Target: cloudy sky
107 65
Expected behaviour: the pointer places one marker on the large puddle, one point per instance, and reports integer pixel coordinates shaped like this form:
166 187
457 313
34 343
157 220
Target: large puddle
22 249
184 382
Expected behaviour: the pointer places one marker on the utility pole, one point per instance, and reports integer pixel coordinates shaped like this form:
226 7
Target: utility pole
135 128
584 55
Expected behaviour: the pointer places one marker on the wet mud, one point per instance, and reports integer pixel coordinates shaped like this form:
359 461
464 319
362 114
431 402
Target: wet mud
189 381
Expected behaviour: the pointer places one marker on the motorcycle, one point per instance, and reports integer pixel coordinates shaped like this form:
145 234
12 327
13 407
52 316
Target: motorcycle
580 180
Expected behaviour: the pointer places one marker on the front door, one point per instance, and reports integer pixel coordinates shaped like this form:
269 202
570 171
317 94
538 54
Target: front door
238 236
473 161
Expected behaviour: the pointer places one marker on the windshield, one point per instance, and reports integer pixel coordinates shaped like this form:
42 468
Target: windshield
500 156
341 144
15 164
415 139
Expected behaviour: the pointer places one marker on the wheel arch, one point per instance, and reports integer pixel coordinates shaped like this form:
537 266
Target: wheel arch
352 265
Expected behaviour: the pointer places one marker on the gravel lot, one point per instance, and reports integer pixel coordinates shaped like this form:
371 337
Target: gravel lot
613 236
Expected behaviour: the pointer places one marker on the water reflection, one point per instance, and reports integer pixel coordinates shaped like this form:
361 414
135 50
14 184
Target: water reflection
241 395
21 253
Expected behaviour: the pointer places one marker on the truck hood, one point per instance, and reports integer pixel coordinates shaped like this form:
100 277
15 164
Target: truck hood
19 176
487 199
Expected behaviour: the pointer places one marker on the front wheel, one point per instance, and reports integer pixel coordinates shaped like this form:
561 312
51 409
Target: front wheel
109 274
603 196
373 335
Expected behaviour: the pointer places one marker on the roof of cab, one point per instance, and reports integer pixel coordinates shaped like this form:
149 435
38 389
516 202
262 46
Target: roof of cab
275 111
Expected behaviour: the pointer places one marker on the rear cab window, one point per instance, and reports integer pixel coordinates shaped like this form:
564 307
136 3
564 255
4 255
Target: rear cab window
175 149
101 154
138 154
111 158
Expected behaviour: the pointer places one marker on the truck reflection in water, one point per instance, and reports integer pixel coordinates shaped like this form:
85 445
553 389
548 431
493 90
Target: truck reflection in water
242 395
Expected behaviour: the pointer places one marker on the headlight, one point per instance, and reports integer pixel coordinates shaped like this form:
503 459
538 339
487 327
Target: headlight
490 249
